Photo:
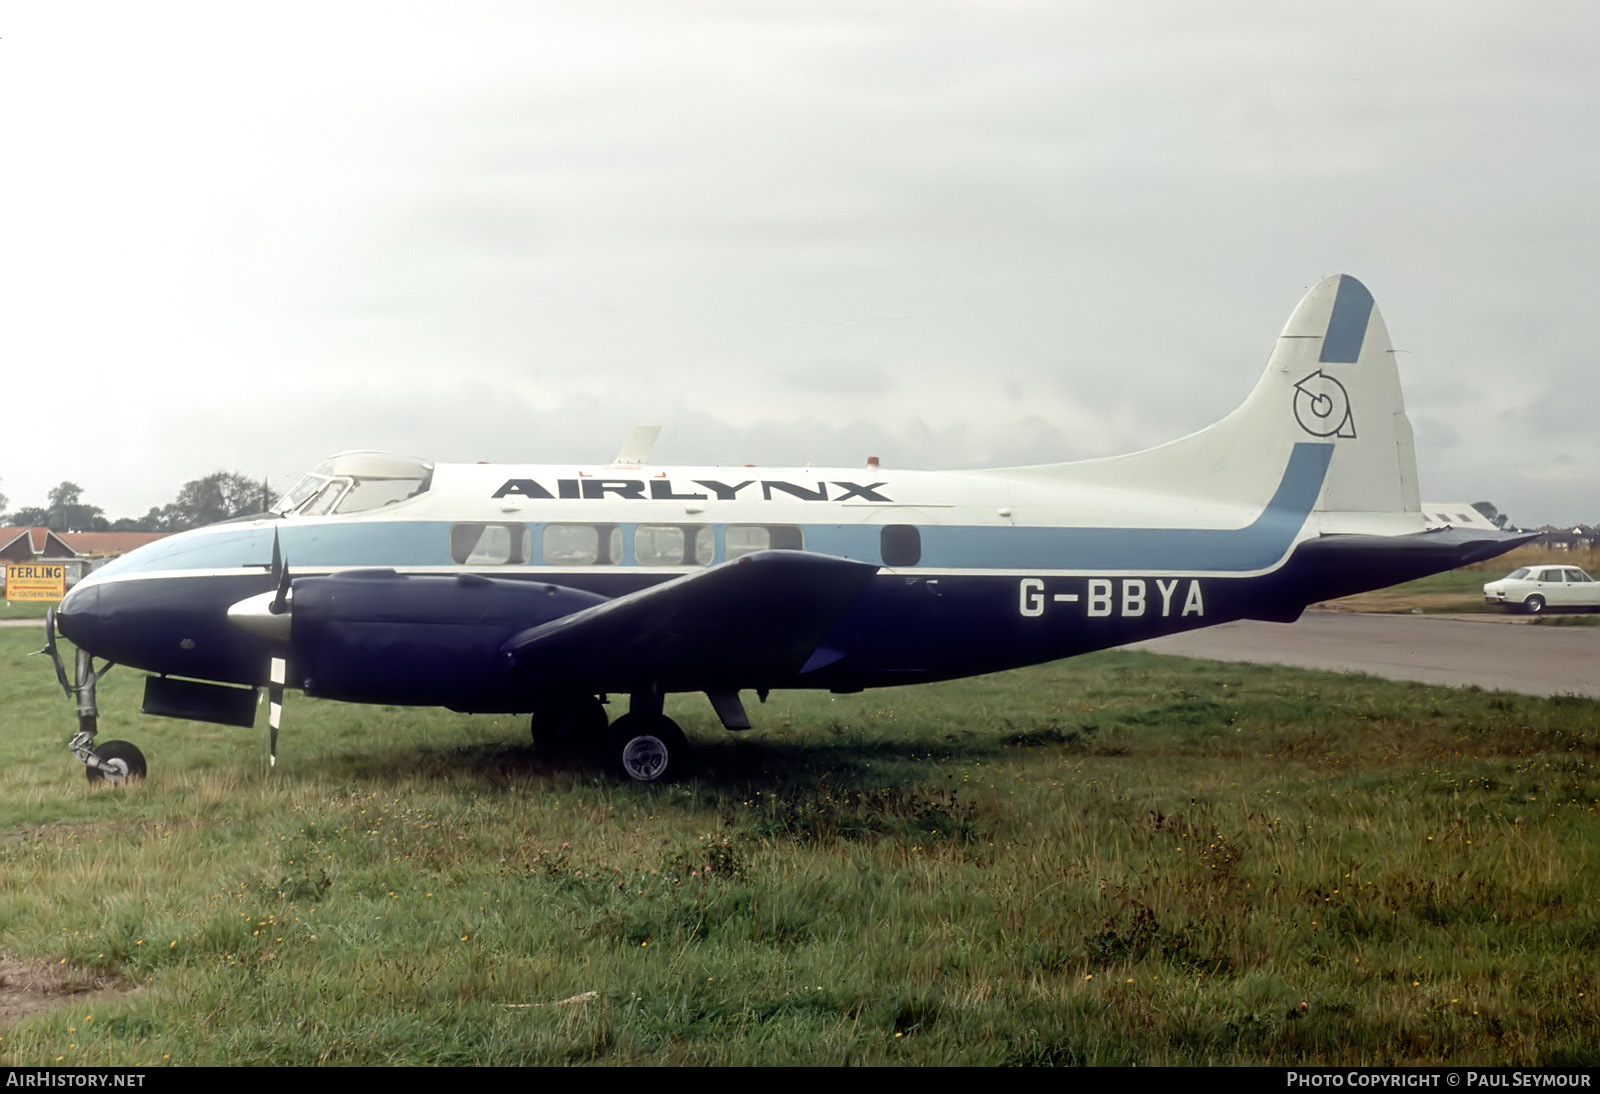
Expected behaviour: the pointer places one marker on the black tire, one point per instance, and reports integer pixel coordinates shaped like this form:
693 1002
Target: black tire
1534 605
563 721
646 748
125 760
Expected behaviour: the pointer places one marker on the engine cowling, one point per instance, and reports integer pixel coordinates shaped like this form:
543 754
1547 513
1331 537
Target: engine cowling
423 640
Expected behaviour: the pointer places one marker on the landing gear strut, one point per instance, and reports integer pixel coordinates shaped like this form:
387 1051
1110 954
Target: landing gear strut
113 762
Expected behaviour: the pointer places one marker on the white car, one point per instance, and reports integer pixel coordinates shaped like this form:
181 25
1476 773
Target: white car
1534 589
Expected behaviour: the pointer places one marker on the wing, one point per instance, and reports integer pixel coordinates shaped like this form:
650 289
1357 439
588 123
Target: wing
761 616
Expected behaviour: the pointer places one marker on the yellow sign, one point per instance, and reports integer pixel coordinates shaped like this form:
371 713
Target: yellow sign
35 581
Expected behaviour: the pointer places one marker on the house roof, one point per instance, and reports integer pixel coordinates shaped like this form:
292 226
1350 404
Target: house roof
8 536
100 544
43 543
38 539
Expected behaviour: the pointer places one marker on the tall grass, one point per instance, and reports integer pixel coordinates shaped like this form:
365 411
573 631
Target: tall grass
1532 554
1117 859
1461 590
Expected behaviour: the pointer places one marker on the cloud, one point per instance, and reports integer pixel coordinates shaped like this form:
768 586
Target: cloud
953 234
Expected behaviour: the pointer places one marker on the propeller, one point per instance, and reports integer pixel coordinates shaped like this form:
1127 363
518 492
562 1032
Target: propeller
269 615
277 665
277 668
280 577
50 648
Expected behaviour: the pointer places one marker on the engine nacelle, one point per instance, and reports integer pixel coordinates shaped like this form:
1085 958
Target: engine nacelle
423 640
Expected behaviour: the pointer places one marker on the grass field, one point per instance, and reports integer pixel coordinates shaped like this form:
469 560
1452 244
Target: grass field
23 609
1122 859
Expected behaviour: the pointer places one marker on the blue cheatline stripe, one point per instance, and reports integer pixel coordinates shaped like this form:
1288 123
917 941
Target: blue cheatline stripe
1347 326
1257 546
396 543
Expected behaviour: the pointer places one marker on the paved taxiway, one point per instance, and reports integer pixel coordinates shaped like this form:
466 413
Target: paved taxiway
1497 653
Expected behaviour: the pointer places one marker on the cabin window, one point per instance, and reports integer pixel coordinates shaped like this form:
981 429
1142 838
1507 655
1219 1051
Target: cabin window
490 544
673 545
900 545
582 544
742 539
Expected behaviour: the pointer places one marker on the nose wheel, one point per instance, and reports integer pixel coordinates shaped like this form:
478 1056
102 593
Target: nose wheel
114 762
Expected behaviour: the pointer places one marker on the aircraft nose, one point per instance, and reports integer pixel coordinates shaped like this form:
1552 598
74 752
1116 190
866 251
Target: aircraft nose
76 616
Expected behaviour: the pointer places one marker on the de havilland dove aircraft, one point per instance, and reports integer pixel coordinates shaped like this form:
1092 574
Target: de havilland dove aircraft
544 590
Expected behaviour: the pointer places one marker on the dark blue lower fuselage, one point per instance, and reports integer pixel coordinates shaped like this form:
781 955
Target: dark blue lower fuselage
902 628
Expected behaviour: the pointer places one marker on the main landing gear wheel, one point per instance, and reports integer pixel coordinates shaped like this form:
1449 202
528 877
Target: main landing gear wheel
646 748
1534 605
120 762
563 721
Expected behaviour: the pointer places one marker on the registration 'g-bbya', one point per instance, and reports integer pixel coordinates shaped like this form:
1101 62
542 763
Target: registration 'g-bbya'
484 588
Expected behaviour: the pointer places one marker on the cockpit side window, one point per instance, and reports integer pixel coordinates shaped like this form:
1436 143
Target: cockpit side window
374 493
355 483
327 499
305 488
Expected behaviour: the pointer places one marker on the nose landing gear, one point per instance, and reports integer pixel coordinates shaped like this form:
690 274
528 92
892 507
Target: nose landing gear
113 762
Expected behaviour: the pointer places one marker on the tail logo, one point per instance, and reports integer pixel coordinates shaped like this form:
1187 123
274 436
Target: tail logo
1322 406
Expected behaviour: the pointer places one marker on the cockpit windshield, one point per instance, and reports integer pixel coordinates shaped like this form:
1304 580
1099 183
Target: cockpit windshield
354 482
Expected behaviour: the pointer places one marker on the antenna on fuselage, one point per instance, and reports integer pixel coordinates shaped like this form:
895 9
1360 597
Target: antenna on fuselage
636 449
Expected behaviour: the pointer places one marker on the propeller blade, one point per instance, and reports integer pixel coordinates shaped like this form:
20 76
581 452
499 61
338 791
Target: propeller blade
278 670
280 573
50 648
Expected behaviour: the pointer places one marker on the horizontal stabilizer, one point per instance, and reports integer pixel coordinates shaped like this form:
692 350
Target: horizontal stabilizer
760 615
1437 548
1332 566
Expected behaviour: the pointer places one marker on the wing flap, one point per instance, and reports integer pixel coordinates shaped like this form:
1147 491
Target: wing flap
760 615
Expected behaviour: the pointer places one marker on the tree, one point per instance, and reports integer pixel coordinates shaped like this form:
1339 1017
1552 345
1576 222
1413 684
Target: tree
221 495
68 513
136 524
30 517
1492 514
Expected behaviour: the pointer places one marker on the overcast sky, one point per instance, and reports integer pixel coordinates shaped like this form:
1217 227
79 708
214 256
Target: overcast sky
948 233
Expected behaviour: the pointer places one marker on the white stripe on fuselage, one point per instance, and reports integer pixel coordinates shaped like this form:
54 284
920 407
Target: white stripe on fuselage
1054 521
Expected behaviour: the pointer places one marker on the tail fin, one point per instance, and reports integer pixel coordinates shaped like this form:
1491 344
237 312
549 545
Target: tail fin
1334 356
1330 383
